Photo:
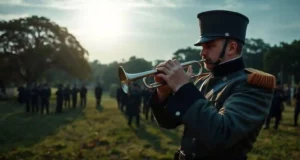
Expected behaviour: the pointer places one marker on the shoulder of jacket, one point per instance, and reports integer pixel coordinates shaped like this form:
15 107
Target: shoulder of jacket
260 78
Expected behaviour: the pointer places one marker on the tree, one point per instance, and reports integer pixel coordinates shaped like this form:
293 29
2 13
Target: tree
253 53
157 62
284 57
34 44
133 65
189 54
97 71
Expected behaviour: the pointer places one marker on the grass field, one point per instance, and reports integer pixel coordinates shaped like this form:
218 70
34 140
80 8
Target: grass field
102 133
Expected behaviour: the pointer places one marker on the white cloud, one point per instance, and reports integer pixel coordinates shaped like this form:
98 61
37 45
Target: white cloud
12 2
238 5
12 16
163 21
233 4
77 4
289 26
263 7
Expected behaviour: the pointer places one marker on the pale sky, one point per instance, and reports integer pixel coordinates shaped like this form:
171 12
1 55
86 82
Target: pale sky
112 30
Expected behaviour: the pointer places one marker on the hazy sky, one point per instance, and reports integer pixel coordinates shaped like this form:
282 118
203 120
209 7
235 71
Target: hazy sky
153 29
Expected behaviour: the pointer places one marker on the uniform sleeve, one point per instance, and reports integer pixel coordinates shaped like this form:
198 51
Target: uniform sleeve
242 112
161 114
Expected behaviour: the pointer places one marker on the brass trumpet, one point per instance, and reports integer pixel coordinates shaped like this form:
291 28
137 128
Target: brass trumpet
127 78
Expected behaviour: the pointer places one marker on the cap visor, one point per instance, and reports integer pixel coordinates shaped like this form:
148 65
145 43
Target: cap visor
204 39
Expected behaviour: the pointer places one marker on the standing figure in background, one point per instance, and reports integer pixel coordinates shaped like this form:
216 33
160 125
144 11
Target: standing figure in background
124 100
59 98
21 94
134 104
277 106
146 108
67 96
28 94
288 96
45 97
98 94
83 92
297 107
74 92
119 96
35 98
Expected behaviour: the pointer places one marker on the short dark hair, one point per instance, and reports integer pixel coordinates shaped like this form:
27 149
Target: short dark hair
240 45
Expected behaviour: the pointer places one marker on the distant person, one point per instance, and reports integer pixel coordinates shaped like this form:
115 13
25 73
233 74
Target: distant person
28 95
83 92
67 97
59 98
74 92
35 98
45 98
124 100
2 88
21 94
297 107
277 106
288 98
119 96
98 94
134 104
146 108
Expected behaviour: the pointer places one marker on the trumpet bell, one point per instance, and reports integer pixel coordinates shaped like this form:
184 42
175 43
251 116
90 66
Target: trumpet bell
123 79
127 78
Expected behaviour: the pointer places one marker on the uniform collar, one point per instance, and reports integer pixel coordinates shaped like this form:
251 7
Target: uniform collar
226 68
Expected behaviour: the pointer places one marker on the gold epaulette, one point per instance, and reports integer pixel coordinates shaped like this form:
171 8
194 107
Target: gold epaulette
202 75
260 78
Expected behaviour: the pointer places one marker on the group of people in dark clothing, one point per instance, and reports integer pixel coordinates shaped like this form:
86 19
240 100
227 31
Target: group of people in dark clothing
277 106
36 97
134 102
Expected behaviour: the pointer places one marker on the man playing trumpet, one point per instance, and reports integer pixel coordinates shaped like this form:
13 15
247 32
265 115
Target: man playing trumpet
224 110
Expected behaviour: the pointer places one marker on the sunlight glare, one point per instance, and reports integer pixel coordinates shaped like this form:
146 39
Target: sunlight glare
102 21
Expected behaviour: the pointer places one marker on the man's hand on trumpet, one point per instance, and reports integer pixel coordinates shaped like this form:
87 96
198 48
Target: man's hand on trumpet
173 74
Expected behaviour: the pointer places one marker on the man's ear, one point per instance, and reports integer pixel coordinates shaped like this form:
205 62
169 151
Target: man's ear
232 47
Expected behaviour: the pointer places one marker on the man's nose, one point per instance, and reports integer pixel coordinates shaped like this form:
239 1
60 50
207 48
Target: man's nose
203 53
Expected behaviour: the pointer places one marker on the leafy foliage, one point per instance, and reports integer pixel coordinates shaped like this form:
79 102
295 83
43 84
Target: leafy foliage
34 44
285 57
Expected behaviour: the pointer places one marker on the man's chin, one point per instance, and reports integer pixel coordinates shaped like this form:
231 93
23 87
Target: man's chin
208 67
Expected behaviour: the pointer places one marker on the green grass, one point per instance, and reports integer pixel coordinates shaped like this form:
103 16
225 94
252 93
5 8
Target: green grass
102 133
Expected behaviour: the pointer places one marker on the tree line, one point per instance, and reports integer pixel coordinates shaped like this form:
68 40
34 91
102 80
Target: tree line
36 49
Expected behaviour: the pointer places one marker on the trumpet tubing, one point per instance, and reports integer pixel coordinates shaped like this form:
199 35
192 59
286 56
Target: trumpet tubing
127 78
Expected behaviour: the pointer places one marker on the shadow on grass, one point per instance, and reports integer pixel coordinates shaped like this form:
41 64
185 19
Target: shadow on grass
100 108
142 133
20 129
172 134
289 133
153 140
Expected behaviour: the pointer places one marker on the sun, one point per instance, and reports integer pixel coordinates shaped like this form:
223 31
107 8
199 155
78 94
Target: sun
102 21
